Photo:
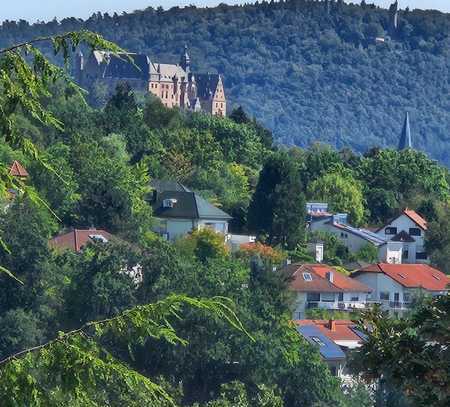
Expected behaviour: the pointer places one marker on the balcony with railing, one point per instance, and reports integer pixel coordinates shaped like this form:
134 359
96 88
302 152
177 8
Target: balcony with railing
388 304
336 305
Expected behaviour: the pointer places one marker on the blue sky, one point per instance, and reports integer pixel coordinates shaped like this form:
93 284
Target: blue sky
33 10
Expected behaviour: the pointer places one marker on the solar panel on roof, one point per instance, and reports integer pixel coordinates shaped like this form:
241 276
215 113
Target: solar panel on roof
329 350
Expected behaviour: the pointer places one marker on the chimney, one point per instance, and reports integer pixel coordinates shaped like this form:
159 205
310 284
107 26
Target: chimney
332 325
330 276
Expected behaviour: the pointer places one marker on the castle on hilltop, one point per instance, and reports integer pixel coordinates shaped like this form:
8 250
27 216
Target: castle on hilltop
174 84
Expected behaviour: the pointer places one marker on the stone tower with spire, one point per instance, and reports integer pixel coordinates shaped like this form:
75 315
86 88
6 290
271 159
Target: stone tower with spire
405 137
185 60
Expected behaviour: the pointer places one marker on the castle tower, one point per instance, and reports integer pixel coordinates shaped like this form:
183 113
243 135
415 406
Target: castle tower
405 138
185 61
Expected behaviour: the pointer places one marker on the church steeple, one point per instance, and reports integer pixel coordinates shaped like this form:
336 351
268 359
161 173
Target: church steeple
405 138
185 61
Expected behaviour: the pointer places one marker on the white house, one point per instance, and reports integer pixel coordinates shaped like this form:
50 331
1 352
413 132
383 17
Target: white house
180 211
356 238
321 286
409 229
395 286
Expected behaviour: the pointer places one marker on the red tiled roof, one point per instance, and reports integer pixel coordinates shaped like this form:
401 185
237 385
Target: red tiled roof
17 170
319 281
415 217
411 275
76 239
336 330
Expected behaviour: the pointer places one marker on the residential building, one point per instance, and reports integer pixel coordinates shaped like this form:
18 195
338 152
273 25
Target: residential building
321 286
76 239
334 339
356 238
17 170
396 286
235 242
180 211
409 229
174 84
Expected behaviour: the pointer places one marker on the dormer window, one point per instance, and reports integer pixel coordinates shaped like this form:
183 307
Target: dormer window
99 238
169 203
307 277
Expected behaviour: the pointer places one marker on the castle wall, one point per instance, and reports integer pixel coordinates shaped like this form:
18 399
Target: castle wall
173 91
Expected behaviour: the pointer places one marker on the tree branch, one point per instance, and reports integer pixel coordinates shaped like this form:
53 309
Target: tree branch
34 41
58 339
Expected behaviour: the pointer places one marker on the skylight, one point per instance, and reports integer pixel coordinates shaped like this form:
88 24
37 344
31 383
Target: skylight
317 340
436 277
101 238
307 277
401 275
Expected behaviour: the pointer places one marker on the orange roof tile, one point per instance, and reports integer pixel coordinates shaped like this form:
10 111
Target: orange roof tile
410 275
319 281
77 239
336 330
415 217
17 170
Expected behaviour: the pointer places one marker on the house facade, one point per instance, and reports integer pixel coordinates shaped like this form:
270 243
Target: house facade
397 286
321 286
409 229
174 84
356 238
180 211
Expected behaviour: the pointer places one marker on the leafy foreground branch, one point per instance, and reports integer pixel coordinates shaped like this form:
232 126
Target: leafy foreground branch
409 355
74 369
25 77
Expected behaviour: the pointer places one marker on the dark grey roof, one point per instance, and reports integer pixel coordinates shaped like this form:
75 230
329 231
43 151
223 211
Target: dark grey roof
160 185
360 232
405 138
188 205
120 66
206 84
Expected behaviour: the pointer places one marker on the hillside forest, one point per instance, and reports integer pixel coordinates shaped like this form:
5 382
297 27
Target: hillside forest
104 161
197 325
310 71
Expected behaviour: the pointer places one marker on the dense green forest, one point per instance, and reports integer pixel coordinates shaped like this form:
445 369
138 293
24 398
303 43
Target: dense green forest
106 158
308 70
198 325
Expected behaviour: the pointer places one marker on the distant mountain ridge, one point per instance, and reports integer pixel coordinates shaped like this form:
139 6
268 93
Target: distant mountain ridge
309 70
